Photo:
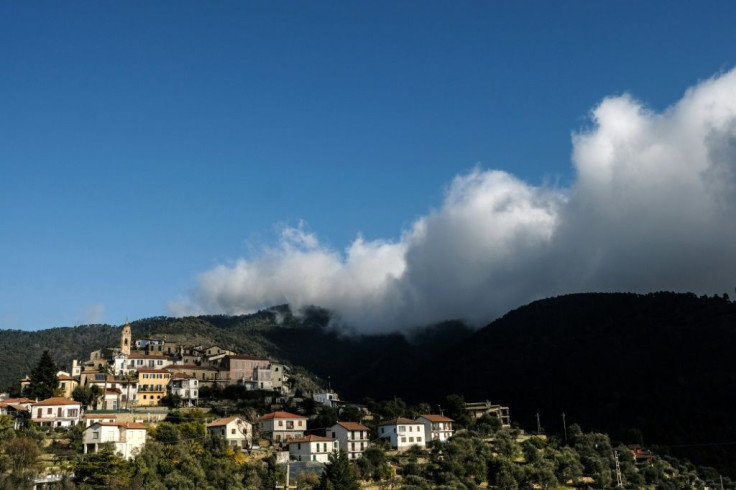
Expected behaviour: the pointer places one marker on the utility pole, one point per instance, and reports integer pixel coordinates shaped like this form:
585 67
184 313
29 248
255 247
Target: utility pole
564 426
619 479
287 486
539 425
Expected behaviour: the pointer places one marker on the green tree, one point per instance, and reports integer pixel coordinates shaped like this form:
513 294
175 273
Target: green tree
338 474
84 395
23 453
43 378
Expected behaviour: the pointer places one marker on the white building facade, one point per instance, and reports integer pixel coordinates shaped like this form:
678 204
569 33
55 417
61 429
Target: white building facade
282 426
402 433
56 412
352 438
436 427
312 448
128 439
236 431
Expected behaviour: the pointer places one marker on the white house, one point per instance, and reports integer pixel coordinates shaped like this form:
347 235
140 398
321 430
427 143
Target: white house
56 412
89 419
402 433
236 431
353 438
18 409
312 448
436 427
128 439
327 398
186 386
282 426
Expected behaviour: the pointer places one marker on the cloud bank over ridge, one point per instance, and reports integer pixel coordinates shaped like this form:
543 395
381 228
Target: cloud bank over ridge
652 207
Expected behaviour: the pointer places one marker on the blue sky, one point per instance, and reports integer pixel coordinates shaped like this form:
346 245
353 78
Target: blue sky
143 144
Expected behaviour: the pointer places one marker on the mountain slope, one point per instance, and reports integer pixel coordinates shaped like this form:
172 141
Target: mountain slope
658 363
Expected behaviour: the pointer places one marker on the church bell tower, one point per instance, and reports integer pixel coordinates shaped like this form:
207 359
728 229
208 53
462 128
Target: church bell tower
125 339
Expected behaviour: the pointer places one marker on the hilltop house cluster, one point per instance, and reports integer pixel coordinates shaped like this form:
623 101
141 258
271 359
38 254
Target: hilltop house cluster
141 374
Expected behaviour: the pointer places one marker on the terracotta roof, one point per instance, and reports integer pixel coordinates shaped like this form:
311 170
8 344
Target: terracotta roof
65 377
18 406
22 399
397 421
311 439
146 356
191 366
222 421
247 358
152 370
123 425
436 418
57 400
352 426
281 415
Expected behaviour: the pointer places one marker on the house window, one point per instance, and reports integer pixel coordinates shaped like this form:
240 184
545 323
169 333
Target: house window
419 439
289 425
281 423
232 431
403 439
95 435
411 439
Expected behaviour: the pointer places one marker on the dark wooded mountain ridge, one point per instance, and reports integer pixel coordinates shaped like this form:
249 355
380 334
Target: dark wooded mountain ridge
659 363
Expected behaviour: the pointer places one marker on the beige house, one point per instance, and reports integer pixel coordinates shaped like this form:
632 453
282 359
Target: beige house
236 431
128 439
282 426
67 384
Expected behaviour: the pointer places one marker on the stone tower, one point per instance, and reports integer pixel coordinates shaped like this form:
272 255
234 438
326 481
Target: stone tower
125 339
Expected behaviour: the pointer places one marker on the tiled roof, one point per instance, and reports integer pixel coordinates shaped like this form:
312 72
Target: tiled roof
352 426
311 439
281 415
122 425
397 421
247 358
176 367
8 401
57 400
222 421
436 418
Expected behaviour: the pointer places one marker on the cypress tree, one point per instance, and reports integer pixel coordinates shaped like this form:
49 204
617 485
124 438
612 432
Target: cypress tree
338 474
43 378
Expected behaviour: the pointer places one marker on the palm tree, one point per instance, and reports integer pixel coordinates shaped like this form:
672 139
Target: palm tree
130 376
107 370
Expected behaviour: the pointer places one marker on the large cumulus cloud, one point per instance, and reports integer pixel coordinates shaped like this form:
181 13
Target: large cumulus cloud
652 207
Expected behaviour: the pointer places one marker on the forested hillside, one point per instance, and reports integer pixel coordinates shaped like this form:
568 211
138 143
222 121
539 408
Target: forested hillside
645 368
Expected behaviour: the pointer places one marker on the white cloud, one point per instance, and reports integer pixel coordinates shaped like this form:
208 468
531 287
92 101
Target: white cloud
93 315
653 207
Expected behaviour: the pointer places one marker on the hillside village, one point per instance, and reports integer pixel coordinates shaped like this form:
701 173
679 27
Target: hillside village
122 398
134 384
